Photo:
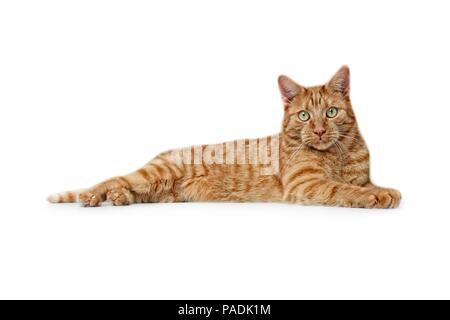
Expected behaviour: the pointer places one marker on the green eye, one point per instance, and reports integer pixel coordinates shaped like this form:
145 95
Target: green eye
303 115
332 112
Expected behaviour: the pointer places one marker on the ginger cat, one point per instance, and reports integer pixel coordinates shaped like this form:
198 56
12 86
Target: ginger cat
319 158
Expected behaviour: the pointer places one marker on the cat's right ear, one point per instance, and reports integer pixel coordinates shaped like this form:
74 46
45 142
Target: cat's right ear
288 88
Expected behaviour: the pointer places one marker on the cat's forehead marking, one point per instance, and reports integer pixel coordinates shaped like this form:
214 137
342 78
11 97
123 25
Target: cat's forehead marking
315 99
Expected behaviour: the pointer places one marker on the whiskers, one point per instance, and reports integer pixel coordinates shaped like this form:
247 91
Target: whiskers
340 148
296 151
351 137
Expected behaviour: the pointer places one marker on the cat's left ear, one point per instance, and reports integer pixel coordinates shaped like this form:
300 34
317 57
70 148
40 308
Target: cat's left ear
340 83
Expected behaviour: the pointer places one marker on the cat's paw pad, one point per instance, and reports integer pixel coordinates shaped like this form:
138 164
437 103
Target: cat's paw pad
90 199
384 199
120 197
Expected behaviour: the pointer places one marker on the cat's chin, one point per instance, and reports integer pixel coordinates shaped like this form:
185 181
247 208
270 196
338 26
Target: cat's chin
322 146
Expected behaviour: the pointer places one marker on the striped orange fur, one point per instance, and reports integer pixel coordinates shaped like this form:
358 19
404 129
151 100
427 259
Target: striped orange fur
318 158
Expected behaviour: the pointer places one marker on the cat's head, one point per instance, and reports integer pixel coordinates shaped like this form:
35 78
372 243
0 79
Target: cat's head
318 116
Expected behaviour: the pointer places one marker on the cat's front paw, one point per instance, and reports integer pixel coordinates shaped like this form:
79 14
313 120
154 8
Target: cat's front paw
89 199
383 198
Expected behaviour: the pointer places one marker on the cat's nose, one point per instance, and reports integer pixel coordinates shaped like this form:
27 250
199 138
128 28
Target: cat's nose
319 131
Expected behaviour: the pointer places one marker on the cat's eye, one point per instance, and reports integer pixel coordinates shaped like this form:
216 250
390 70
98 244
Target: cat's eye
303 115
332 112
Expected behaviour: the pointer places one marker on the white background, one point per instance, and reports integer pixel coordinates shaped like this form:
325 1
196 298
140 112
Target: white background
93 89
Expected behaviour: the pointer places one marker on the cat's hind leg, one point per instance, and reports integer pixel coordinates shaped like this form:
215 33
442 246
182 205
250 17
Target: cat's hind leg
117 190
155 182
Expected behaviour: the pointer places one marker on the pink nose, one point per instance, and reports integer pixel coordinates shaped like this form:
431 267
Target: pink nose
319 131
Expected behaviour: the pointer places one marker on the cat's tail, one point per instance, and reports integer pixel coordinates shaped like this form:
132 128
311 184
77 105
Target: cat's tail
64 197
